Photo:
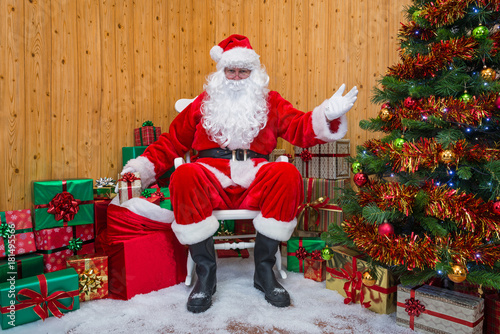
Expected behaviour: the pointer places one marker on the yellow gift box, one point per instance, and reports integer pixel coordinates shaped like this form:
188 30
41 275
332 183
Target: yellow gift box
344 274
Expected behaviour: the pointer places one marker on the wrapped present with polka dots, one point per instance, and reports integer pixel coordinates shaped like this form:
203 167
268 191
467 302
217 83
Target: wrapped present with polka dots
57 244
92 272
16 233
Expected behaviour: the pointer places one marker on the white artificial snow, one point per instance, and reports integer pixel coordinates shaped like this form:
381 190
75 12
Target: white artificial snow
237 307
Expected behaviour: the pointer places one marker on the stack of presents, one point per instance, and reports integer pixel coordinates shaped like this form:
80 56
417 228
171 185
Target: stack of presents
81 241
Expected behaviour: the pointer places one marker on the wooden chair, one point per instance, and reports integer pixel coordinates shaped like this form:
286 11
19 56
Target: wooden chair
223 215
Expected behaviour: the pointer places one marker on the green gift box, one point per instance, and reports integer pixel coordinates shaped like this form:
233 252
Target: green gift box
63 203
298 249
33 298
24 266
165 202
131 152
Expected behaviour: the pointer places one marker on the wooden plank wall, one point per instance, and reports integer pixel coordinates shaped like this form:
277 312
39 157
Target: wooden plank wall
77 76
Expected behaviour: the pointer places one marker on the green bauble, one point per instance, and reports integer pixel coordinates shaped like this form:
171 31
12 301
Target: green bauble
399 142
326 253
465 97
416 15
480 32
356 167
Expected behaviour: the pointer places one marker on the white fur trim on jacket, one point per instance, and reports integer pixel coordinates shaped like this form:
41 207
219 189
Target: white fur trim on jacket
321 126
145 168
197 232
146 209
274 229
243 172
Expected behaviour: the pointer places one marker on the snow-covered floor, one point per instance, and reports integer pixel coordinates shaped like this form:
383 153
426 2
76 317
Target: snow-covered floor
237 308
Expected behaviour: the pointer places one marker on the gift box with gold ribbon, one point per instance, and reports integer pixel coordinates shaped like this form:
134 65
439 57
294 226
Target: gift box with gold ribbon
326 161
92 272
430 309
315 267
319 209
129 186
63 203
298 249
38 297
16 233
348 274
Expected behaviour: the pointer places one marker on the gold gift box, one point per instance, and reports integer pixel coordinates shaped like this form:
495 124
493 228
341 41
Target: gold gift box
379 298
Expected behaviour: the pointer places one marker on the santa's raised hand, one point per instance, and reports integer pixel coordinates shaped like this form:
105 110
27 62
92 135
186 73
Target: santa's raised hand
338 105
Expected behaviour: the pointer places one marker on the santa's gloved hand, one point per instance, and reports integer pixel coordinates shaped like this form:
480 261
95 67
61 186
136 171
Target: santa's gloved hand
338 105
125 170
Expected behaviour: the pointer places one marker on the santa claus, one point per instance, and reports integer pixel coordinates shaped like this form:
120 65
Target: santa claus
234 125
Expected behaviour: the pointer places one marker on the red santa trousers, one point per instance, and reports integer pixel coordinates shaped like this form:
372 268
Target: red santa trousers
276 191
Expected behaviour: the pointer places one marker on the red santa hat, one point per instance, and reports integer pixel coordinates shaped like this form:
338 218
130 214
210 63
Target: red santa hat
236 52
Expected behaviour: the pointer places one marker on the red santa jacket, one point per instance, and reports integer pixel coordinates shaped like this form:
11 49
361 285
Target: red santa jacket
303 129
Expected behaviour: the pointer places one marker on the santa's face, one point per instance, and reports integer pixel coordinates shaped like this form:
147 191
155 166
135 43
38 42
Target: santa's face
236 108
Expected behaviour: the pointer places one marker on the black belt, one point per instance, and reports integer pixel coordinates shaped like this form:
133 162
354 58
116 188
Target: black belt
239 154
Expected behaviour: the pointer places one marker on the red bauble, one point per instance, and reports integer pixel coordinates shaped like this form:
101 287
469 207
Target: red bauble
497 102
386 229
496 207
360 179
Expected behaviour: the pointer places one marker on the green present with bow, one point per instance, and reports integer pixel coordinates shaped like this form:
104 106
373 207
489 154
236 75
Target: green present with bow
63 203
38 297
298 249
21 266
146 134
104 188
59 243
16 233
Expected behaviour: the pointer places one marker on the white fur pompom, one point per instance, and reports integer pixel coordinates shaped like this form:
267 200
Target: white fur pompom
216 53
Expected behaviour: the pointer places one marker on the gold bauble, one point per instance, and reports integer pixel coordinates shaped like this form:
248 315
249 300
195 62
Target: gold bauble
385 114
488 74
367 279
446 156
458 273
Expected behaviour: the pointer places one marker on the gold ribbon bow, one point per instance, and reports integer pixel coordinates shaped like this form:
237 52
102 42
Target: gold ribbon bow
89 281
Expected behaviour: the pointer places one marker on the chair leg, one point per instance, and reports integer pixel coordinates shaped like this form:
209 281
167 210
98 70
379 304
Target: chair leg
190 268
278 265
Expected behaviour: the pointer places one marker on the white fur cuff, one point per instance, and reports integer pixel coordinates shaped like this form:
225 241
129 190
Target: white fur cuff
321 126
197 232
145 168
274 229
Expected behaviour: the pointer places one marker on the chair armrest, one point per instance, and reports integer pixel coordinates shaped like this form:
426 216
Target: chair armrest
282 158
178 161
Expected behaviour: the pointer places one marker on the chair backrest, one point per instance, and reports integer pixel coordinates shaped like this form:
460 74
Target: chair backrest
181 104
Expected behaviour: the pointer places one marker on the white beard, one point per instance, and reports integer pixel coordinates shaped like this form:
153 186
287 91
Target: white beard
235 111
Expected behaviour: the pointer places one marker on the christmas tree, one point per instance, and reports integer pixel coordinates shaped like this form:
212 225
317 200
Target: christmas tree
427 198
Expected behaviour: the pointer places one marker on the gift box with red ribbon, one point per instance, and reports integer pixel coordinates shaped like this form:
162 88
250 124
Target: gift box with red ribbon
100 223
430 309
16 233
63 203
38 297
22 266
325 161
319 209
147 134
58 243
298 249
344 274
315 267
492 313
92 272
129 186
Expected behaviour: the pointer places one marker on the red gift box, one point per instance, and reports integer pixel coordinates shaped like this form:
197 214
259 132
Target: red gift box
147 134
492 313
100 223
56 244
23 237
315 267
143 255
92 272
244 226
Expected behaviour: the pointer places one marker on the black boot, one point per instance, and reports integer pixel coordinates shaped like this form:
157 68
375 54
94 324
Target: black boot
264 279
203 254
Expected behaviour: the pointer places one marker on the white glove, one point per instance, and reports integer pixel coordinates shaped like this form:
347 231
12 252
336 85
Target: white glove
125 170
338 105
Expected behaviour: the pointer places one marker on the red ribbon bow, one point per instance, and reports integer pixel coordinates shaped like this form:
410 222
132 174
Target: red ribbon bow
305 155
159 194
354 283
301 253
63 206
414 307
42 303
316 255
129 178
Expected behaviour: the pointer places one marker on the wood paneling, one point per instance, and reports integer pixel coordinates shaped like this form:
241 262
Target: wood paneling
76 77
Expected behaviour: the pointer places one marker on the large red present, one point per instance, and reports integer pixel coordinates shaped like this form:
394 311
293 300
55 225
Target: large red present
143 254
56 244
16 225
100 219
147 134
